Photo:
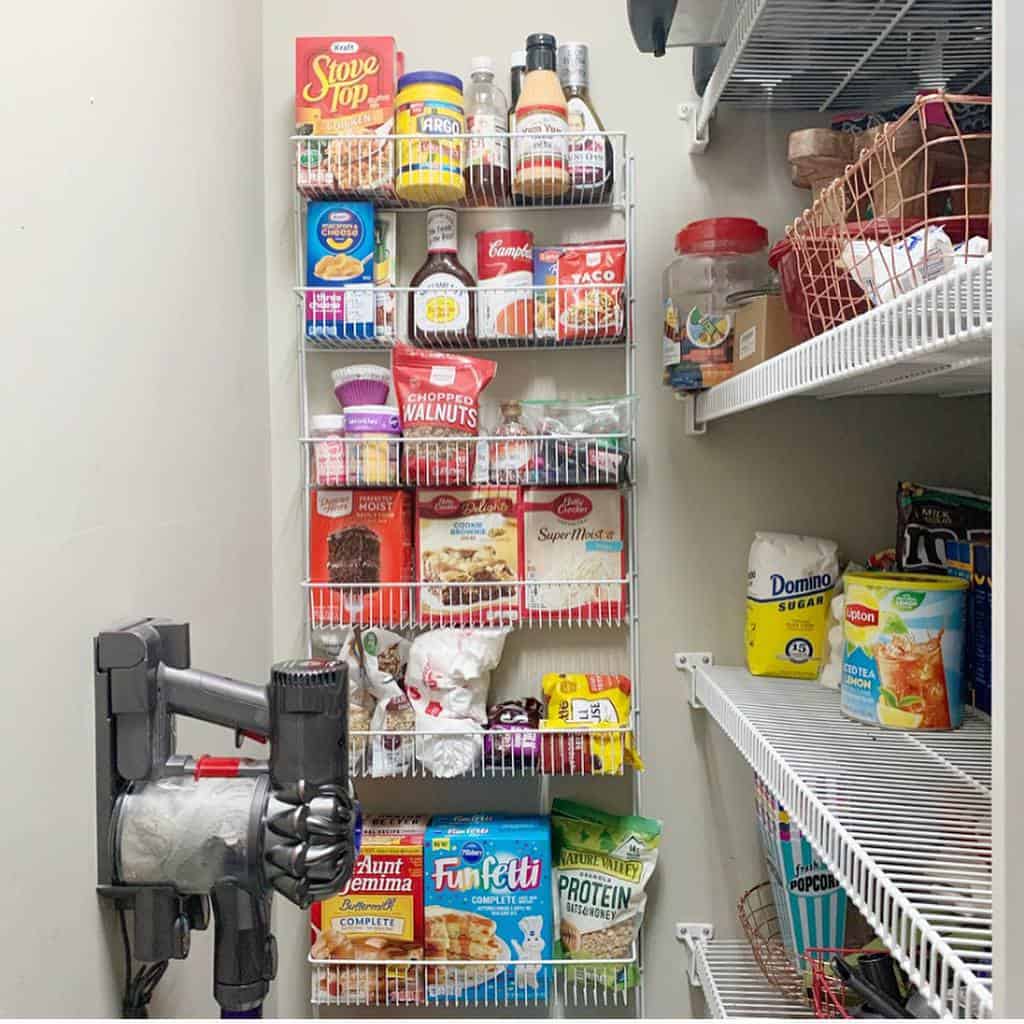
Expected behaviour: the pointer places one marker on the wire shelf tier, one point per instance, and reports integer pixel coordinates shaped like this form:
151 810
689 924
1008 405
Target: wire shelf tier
490 754
905 829
734 986
522 603
564 460
371 168
847 54
457 983
934 340
535 316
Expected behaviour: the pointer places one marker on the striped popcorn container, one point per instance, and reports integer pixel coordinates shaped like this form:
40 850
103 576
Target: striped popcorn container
810 903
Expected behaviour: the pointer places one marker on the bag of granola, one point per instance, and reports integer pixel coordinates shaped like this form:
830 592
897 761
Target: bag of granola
439 403
602 863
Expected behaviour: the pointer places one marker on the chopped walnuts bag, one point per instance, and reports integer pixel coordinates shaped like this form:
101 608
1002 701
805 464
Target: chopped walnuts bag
602 863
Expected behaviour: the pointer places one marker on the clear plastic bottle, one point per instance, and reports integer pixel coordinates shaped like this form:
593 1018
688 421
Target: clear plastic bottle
512 460
486 166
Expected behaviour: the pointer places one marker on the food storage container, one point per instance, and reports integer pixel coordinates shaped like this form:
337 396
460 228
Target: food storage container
716 257
374 458
362 384
329 460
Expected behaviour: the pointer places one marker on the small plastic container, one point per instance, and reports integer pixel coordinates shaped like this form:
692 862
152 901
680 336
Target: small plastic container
716 258
362 384
375 430
329 461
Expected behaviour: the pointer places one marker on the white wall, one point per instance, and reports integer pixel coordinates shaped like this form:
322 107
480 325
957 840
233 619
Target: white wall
133 408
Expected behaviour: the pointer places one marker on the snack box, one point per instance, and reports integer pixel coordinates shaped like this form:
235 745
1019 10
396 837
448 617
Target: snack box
377 916
488 900
345 85
467 555
981 625
362 538
385 262
340 271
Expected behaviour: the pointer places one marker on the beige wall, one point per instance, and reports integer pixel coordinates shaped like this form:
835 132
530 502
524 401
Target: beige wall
803 466
133 407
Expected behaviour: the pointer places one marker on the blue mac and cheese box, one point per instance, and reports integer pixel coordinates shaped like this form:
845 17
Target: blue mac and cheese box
339 271
487 900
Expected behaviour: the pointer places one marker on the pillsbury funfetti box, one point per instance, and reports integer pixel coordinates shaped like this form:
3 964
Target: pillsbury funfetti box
810 903
488 900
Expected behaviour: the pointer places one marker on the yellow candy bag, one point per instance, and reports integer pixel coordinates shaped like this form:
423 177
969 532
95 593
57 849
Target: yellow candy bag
599 703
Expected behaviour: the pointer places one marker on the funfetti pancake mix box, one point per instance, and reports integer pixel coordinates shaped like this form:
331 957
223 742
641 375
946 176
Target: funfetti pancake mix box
487 900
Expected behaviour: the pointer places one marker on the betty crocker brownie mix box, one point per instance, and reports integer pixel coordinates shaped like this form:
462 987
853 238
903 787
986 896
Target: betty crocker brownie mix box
345 85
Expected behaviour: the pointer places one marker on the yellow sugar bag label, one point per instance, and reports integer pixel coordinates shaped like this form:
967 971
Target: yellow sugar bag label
790 580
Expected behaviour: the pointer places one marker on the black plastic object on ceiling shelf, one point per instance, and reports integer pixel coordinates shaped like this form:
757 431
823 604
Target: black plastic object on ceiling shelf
659 24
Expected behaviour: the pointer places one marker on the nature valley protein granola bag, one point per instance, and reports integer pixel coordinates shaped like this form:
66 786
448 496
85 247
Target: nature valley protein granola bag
602 863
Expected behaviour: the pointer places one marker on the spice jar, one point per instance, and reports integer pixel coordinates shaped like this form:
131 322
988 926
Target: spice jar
374 458
329 462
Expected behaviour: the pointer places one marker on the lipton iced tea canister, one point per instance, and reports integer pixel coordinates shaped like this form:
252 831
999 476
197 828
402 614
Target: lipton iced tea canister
430 122
904 663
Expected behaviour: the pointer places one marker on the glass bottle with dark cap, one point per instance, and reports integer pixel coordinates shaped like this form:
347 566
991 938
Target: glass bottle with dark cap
542 121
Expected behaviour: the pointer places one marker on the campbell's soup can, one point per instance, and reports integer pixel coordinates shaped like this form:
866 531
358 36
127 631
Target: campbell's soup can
904 661
504 273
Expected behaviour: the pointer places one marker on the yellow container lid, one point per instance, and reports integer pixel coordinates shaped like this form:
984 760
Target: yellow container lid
906 580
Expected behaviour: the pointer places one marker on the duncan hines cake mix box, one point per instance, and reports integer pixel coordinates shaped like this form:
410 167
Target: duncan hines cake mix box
467 554
346 85
360 538
488 899
377 916
573 553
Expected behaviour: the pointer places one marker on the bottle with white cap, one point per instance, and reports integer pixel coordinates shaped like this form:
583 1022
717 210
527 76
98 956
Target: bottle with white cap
486 165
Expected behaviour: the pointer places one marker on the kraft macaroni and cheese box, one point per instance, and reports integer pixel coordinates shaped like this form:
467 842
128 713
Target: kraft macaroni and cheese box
488 899
339 271
810 903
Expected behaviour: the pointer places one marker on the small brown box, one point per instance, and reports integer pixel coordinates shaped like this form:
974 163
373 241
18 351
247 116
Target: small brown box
762 329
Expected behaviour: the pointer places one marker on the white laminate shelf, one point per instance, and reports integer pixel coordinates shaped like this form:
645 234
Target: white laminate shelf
903 820
934 340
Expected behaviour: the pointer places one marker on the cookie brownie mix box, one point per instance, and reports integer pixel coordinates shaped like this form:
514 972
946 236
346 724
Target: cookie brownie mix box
377 916
488 900
345 85
360 538
574 554
467 554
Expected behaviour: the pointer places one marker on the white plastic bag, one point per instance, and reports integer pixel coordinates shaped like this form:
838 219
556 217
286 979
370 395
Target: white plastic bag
885 271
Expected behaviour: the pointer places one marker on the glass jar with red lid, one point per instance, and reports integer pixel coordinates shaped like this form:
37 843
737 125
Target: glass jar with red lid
716 258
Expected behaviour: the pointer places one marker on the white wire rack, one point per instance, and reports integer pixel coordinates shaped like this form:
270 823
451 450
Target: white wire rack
457 983
374 168
847 54
490 754
903 821
733 984
934 340
574 460
427 605
544 316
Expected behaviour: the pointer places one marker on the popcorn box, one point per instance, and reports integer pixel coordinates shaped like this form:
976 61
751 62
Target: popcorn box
377 916
488 901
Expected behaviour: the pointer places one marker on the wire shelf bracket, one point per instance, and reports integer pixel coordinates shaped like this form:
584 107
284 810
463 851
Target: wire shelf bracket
688 662
692 935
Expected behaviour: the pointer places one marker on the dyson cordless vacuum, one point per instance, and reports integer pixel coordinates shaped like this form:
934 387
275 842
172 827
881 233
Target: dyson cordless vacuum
177 833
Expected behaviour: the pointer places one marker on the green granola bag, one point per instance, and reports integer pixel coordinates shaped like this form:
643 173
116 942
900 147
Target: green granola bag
602 863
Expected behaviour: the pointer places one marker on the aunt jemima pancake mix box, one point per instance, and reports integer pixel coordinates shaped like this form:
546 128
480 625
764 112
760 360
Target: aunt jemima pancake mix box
377 916
487 899
345 85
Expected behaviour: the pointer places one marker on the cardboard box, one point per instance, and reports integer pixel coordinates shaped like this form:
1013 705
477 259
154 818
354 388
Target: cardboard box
762 329
488 900
377 916
340 267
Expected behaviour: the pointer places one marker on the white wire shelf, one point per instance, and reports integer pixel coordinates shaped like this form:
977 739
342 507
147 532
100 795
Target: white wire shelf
902 820
934 340
572 460
522 603
546 316
847 54
490 754
458 983
734 986
369 167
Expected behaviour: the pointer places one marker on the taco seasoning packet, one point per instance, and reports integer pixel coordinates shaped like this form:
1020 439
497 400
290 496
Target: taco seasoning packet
602 863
